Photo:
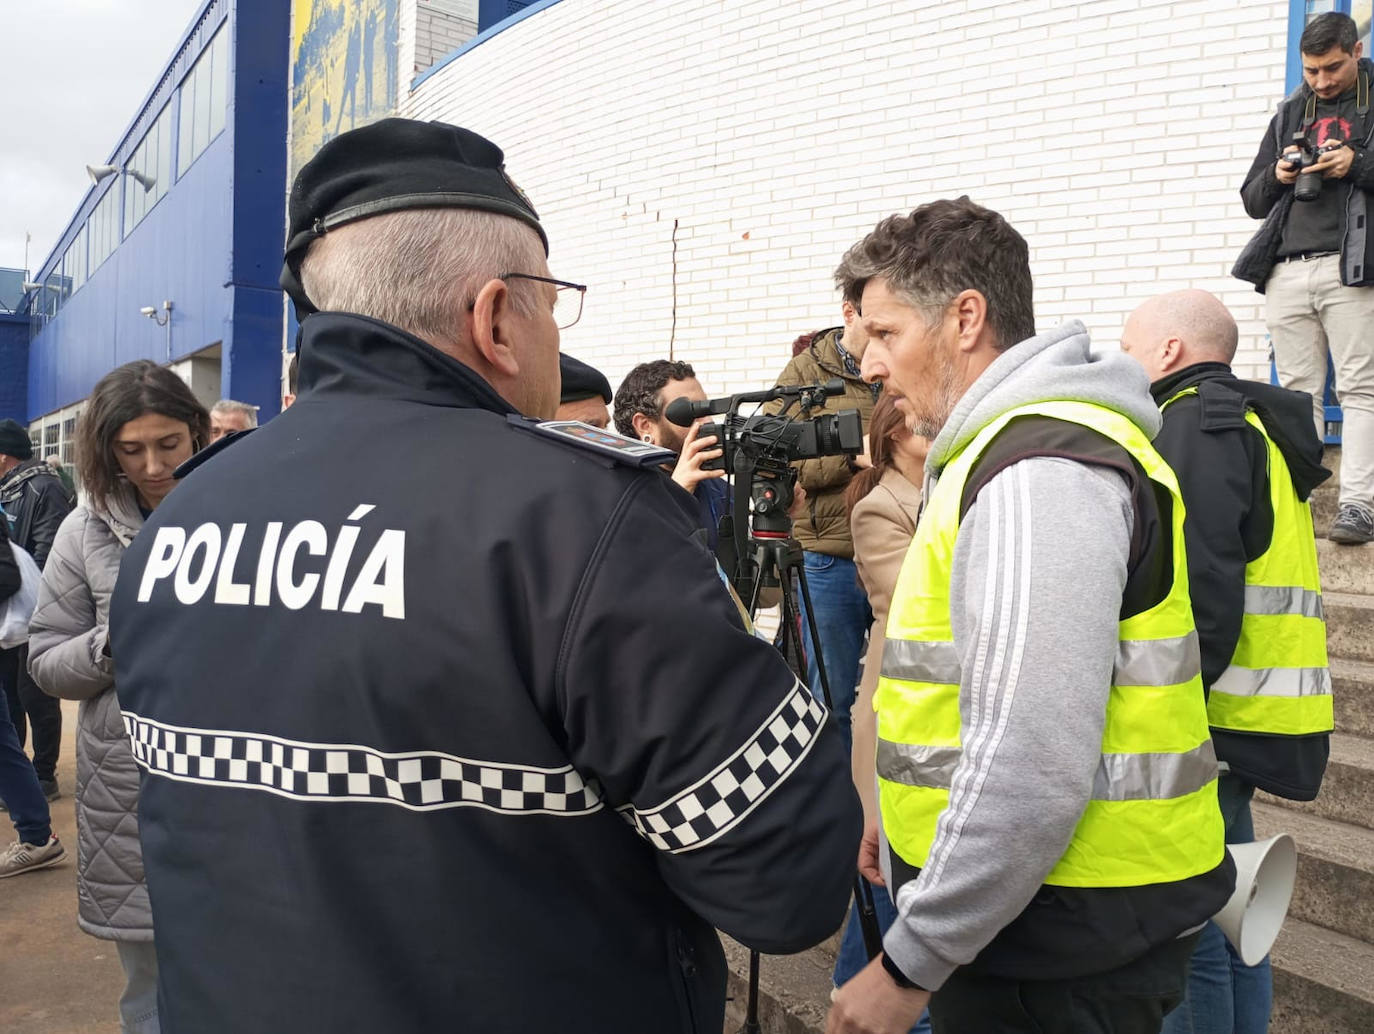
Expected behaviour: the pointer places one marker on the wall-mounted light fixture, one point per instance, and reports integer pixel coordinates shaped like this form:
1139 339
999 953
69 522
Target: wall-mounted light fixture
162 320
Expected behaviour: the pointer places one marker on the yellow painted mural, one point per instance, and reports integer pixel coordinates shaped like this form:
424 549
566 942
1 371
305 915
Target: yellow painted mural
343 69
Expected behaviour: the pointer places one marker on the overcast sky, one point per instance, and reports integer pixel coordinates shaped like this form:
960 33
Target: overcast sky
73 75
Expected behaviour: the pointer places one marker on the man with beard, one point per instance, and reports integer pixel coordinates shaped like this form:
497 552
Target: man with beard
1047 786
640 402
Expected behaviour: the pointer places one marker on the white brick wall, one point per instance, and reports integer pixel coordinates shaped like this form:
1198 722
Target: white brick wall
1112 133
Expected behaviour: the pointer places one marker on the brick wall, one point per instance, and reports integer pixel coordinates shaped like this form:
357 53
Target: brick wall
441 26
719 158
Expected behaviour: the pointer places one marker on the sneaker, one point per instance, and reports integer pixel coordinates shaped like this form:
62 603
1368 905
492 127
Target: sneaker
21 857
1353 525
49 788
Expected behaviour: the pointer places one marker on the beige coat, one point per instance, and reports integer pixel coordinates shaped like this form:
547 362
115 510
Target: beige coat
882 524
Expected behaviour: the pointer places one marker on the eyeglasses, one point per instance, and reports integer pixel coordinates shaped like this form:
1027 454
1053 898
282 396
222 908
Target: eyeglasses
567 304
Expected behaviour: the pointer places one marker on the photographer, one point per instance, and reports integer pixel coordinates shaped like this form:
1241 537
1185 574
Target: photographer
640 401
842 612
1313 258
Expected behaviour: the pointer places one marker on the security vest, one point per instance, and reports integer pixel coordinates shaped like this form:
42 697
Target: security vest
1277 683
1153 817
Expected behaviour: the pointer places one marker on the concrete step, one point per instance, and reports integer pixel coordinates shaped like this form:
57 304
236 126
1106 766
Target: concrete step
1349 624
1346 568
1323 982
1347 793
1325 498
1352 686
1335 886
794 990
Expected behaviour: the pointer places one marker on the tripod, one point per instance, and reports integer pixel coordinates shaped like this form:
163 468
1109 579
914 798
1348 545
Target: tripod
773 559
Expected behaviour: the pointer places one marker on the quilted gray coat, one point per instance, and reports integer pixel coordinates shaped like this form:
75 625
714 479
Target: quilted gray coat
67 639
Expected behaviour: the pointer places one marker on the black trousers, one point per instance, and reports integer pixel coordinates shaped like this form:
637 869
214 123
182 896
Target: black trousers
1131 1000
44 712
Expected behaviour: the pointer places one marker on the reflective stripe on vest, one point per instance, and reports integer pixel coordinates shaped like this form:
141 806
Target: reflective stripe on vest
1153 816
1278 683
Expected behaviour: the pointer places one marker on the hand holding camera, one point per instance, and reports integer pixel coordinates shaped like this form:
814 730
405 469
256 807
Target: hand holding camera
1306 165
694 463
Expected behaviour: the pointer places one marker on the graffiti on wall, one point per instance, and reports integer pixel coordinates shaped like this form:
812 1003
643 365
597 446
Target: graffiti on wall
343 69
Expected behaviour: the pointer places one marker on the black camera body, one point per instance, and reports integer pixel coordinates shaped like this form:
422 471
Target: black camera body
1309 184
781 441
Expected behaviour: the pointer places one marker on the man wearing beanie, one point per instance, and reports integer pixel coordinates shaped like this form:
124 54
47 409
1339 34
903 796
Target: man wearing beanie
586 393
502 755
35 502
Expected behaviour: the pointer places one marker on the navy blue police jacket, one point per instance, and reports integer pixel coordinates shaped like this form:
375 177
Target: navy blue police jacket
446 726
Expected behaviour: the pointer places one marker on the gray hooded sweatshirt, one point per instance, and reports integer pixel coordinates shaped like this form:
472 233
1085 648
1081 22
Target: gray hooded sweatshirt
1040 565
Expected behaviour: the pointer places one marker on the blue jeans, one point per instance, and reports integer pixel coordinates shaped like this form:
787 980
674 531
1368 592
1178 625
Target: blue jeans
842 618
853 956
1225 996
19 787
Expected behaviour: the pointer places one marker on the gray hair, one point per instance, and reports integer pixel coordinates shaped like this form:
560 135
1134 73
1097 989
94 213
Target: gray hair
243 409
420 269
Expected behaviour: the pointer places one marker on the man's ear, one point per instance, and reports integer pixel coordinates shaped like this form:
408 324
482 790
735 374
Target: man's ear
971 310
1170 354
642 425
494 327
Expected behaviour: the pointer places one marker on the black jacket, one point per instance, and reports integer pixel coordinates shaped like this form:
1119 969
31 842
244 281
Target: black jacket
469 738
1222 467
36 502
10 579
1268 199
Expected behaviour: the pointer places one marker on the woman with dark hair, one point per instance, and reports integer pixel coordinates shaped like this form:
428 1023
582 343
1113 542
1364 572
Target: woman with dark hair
883 501
140 423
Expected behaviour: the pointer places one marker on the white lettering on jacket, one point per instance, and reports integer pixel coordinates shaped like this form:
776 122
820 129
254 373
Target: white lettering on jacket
287 561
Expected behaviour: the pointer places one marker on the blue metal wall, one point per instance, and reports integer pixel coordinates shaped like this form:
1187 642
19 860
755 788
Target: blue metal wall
14 365
212 245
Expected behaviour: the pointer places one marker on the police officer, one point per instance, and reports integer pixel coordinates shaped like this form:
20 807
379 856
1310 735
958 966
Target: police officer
1247 459
586 393
448 724
1046 782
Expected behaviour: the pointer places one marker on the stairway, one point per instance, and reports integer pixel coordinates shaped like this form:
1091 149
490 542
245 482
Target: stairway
1324 958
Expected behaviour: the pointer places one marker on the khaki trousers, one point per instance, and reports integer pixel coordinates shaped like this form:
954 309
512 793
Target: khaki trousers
1309 312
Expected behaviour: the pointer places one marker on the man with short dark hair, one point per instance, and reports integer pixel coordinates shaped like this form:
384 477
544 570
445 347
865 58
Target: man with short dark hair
1247 460
35 502
640 402
586 393
1313 259
1046 783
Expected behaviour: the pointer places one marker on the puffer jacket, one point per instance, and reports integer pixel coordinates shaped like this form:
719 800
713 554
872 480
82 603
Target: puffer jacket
825 527
67 642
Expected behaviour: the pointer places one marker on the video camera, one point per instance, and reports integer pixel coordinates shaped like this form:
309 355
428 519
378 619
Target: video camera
1309 184
759 451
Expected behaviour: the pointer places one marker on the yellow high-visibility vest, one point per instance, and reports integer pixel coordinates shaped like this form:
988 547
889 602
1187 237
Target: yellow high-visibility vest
1278 682
1153 816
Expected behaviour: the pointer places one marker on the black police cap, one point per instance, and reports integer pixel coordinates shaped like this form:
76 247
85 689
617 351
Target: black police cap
581 381
389 166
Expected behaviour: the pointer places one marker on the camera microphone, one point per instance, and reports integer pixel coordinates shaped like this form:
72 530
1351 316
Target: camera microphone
684 412
833 387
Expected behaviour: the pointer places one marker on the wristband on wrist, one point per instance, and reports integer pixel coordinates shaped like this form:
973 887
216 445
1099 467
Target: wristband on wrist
898 977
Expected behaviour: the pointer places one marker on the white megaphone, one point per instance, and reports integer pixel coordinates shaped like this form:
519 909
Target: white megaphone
1265 873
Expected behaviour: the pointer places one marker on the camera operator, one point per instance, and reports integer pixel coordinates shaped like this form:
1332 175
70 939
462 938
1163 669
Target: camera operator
1313 258
842 611
502 756
640 402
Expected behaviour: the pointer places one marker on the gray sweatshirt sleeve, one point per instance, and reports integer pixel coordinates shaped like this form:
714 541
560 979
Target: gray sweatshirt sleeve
1039 569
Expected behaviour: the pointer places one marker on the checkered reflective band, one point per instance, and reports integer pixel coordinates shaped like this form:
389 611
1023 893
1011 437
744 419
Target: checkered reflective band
419 780
709 809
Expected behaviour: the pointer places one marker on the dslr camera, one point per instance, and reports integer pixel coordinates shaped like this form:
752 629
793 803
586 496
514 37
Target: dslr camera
1309 184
